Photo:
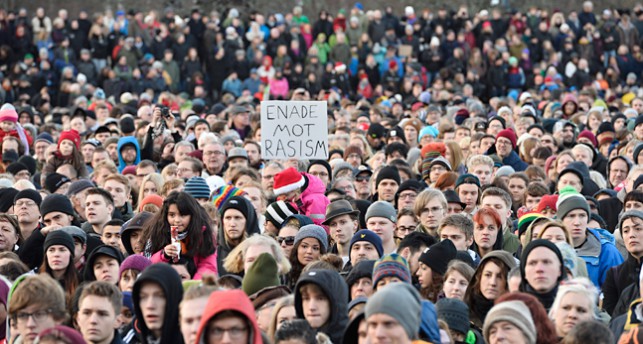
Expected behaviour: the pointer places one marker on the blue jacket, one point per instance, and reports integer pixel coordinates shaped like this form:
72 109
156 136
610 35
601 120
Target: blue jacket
123 141
599 259
514 161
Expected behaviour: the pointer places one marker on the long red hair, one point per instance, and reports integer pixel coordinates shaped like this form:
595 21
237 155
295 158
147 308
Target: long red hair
544 326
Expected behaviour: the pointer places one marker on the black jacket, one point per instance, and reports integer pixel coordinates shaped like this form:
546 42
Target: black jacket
618 278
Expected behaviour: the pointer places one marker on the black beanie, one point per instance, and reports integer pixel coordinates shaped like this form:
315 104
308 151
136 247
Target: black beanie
54 181
56 202
127 125
15 167
438 256
6 198
30 162
102 250
59 238
388 172
323 163
540 243
29 194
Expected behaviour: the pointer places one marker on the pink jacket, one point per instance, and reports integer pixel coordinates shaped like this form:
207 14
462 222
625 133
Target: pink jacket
313 201
207 265
279 87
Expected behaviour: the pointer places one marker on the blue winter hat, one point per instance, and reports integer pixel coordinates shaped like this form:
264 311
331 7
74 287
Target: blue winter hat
428 130
369 236
197 187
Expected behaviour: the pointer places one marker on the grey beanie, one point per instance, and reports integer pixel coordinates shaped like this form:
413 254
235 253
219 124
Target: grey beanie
455 313
381 209
313 231
400 301
626 215
569 199
515 312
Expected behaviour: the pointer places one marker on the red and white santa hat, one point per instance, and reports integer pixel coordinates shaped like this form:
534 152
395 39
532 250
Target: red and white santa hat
288 180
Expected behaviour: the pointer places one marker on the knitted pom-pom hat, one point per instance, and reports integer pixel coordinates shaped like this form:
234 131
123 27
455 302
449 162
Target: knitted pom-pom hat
8 113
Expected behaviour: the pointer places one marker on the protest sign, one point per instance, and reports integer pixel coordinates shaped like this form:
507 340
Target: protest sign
294 130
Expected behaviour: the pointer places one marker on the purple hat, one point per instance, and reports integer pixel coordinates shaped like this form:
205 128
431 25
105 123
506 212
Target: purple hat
134 262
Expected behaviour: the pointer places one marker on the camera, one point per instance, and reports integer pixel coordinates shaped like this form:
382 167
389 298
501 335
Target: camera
165 112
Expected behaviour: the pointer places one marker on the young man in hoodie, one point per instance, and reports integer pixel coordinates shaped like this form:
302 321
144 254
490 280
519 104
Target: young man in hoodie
157 294
99 306
238 221
129 152
118 186
321 298
595 246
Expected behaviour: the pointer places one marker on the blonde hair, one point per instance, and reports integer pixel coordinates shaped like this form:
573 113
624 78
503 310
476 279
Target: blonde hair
456 154
170 185
155 178
235 259
283 302
581 286
479 160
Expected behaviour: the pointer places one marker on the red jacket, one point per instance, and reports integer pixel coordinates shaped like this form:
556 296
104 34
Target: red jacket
230 300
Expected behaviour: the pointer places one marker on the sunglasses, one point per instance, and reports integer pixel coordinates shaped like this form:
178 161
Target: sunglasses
290 240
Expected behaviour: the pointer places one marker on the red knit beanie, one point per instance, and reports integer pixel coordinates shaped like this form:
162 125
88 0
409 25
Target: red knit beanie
434 147
588 135
509 135
288 180
71 135
548 201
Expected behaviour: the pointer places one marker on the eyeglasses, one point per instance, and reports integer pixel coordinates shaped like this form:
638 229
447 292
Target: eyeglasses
233 332
362 178
215 153
25 203
408 196
406 229
290 240
38 316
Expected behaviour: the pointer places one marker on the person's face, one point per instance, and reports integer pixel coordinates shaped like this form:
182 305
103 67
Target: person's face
568 134
342 229
386 190
432 214
184 170
320 172
149 188
152 304
347 186
253 153
286 239
308 251
410 133
493 282
118 191
40 148
234 224
574 308
129 154
181 152
26 210
531 202
499 205
252 253
363 250
455 285
457 236
58 257
213 156
506 332
382 328
135 241
315 304
66 147
8 236
618 172
238 162
112 237
363 287
542 269
554 234
436 171
483 172
632 231
485 234
228 330
268 177
253 194
191 311
562 162
569 179
97 319
354 159
383 227
633 205
517 187
503 147
200 129
468 194
97 210
582 155
405 225
576 222
106 269
88 152
424 275
57 218
27 325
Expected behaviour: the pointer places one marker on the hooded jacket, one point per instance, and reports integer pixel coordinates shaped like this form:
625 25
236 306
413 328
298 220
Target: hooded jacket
230 300
618 278
335 289
170 281
124 141
514 161
313 201
241 204
600 254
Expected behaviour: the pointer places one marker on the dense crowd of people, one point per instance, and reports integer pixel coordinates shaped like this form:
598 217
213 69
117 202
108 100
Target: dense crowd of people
482 185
